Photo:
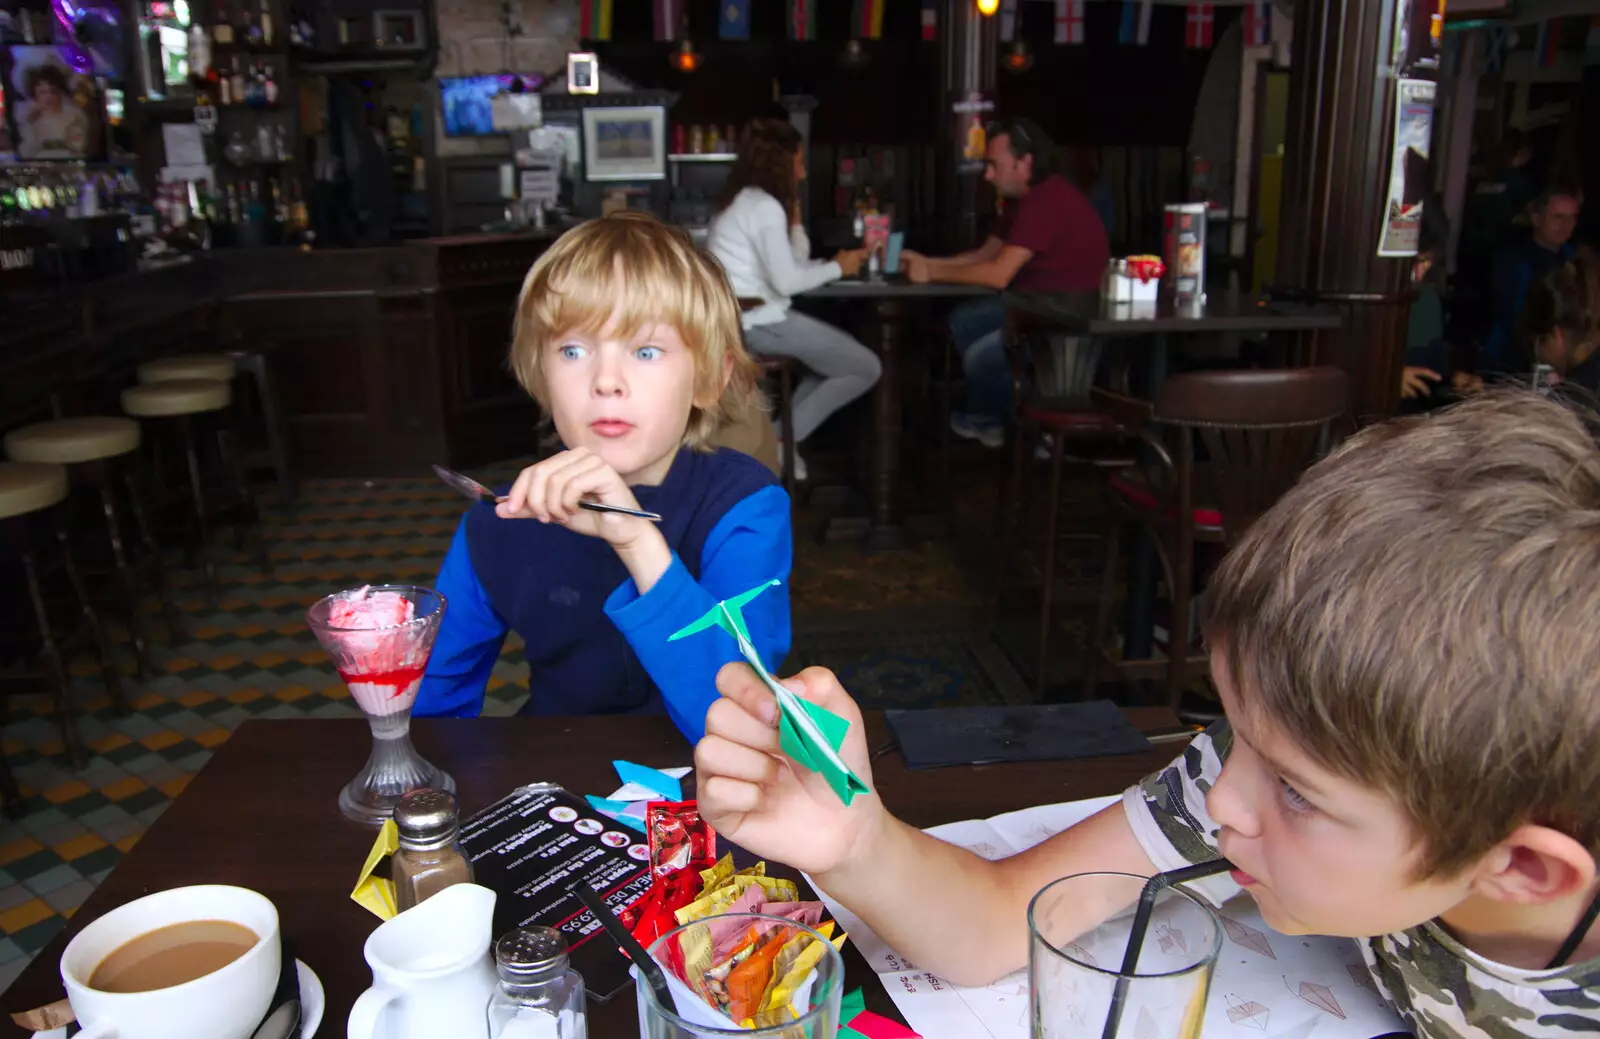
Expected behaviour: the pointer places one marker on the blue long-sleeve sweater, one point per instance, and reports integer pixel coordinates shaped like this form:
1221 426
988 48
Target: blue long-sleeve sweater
595 645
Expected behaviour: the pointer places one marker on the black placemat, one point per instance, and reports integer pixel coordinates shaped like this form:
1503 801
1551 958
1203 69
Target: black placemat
944 736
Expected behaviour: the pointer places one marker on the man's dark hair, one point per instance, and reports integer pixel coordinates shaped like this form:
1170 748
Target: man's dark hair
1541 201
1028 138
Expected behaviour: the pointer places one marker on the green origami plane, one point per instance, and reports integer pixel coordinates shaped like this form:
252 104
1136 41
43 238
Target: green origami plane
810 734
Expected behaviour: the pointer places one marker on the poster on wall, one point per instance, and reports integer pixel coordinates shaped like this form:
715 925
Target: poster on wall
971 114
55 112
1418 37
1409 172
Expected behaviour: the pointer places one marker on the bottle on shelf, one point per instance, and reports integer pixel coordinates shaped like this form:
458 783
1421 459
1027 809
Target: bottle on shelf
239 86
269 85
265 21
221 28
252 30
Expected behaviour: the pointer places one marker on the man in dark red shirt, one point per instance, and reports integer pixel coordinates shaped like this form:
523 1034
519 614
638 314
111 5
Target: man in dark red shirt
1049 239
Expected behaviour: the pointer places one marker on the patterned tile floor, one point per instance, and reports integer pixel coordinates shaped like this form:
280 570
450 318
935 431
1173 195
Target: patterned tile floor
253 657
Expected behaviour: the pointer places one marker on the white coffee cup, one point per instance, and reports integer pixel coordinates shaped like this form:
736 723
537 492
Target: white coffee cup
228 1003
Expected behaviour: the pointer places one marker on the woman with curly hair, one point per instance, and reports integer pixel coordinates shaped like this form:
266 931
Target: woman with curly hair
758 238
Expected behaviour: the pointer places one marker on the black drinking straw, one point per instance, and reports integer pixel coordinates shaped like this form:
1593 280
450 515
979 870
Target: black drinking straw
630 945
1141 923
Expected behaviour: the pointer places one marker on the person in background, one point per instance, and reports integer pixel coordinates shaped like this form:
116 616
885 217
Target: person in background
1428 354
1049 239
628 337
1553 216
1561 323
51 125
1498 201
759 239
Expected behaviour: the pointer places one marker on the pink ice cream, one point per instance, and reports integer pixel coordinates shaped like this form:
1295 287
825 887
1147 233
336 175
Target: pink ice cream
380 659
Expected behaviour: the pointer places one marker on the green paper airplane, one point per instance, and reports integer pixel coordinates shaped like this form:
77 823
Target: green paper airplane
809 734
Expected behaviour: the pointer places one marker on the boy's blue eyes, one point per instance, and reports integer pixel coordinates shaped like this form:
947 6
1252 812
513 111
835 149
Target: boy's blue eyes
573 352
1292 798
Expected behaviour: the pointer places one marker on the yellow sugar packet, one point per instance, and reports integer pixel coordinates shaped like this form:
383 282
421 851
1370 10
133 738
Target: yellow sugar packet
377 893
718 875
695 944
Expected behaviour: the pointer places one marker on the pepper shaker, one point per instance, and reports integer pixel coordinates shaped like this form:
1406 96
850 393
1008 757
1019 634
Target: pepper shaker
429 858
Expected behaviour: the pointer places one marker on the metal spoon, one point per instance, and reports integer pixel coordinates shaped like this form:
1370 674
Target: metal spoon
282 1023
471 488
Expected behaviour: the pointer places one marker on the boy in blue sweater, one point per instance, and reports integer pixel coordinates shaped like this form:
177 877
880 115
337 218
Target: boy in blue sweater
629 338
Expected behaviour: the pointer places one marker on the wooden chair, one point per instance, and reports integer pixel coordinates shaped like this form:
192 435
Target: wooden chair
1052 377
1222 447
779 373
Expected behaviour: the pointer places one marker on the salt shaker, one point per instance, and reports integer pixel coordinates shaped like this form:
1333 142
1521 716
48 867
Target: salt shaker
429 858
540 995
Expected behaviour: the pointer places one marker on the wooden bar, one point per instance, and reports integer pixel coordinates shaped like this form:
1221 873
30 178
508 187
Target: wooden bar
382 357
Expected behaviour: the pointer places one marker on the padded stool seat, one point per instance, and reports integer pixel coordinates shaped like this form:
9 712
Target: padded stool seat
216 367
177 397
30 486
70 441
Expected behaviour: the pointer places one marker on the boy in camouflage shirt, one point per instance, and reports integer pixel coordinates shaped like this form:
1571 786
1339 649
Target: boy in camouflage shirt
1407 648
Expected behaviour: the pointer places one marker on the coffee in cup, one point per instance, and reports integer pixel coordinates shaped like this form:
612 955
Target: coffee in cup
189 963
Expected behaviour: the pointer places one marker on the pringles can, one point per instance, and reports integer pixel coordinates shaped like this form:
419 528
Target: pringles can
1184 249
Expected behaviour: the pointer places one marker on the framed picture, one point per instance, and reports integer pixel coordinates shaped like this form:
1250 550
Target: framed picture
54 112
625 143
583 74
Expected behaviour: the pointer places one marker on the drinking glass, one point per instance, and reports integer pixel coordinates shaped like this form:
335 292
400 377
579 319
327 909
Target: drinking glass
690 1018
383 667
1074 973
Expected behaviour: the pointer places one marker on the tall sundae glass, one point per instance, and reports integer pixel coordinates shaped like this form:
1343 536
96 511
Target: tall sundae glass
380 637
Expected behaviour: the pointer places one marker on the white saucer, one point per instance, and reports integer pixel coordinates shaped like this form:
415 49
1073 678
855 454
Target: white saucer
312 1000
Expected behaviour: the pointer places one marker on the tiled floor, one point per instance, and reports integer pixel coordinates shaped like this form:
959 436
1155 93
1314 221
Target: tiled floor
253 657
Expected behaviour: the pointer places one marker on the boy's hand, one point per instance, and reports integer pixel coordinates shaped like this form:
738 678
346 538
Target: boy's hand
752 793
550 491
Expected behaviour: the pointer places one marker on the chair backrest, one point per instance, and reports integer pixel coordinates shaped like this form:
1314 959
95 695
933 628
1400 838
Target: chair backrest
1258 431
1057 368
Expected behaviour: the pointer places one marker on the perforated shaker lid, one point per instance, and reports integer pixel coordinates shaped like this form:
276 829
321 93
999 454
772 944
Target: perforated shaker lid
427 817
528 952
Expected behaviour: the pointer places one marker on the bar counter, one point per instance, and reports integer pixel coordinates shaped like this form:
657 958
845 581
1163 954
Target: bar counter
385 359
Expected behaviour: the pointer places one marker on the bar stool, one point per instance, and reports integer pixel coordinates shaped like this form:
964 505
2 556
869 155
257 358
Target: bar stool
178 403
225 367
1223 447
97 451
28 490
779 371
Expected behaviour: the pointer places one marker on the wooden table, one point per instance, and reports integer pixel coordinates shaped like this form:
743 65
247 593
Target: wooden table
264 814
892 299
1084 313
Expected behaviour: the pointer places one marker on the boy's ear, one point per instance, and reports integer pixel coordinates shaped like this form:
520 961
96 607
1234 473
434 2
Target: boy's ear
722 385
1535 864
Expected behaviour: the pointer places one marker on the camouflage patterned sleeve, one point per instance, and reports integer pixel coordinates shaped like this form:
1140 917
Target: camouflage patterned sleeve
1167 810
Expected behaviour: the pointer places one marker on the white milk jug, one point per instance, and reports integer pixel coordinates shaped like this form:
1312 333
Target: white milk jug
432 975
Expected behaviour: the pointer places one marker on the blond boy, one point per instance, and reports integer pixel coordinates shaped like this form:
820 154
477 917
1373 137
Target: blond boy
629 339
1407 650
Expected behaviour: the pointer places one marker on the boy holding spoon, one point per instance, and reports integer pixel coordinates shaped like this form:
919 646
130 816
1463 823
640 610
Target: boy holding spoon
629 339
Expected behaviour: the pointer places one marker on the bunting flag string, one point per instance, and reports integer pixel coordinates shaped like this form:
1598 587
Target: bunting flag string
803 19
867 20
1198 23
1008 20
1547 43
1069 21
1135 28
733 23
668 19
1258 24
930 19
594 19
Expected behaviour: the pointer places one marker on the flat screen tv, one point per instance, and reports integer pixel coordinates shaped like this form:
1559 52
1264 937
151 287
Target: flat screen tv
466 101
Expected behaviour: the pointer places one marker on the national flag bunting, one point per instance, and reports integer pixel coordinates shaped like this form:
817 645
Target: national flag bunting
1547 44
1008 20
1198 25
733 23
669 18
1135 26
594 19
867 20
1258 24
1069 21
803 19
930 19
